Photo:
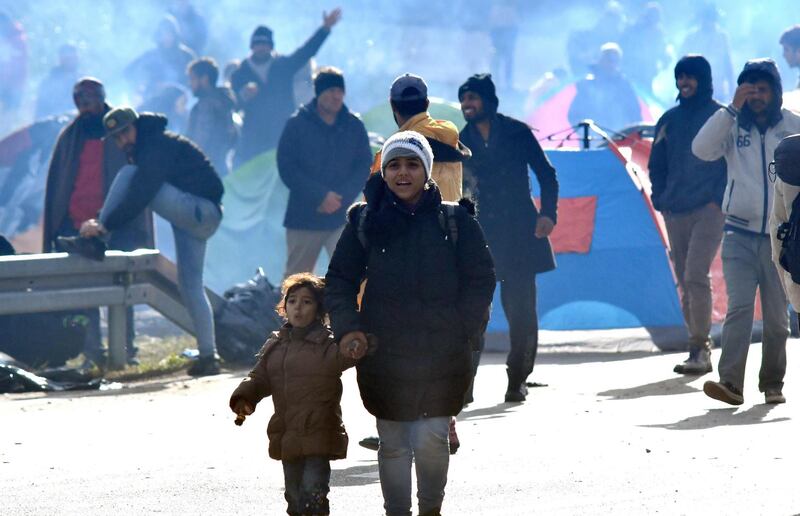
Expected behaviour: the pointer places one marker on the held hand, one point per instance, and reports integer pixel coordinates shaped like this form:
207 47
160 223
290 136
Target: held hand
332 18
242 409
92 228
353 345
544 226
742 93
331 203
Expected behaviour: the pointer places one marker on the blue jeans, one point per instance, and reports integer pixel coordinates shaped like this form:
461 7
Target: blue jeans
424 441
193 219
307 482
747 266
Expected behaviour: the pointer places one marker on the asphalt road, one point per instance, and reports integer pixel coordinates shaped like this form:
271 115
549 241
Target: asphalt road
611 434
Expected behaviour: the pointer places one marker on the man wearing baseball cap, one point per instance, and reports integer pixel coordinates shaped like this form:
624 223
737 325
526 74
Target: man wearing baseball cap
323 158
263 85
169 174
408 98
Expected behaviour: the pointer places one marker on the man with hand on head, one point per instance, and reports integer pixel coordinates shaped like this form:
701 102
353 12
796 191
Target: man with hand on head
746 134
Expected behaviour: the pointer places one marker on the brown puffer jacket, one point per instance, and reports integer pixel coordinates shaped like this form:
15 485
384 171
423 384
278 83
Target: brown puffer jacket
301 368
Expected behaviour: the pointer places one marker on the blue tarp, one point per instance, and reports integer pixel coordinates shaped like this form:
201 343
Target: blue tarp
625 280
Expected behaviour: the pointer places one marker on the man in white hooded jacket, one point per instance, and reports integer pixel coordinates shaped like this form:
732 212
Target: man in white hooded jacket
746 134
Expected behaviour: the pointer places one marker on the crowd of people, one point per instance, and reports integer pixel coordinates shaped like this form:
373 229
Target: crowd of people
414 267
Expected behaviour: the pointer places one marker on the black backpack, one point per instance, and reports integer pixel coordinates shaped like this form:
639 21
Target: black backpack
447 221
789 235
449 225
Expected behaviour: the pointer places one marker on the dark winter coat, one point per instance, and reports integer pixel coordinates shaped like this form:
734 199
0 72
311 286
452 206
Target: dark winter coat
61 181
423 299
315 158
499 169
681 181
267 112
164 157
211 125
301 369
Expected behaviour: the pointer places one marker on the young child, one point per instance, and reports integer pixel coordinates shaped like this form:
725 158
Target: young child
427 293
301 366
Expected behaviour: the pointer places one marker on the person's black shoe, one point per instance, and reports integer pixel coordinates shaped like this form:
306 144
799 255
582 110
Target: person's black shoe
517 388
370 443
723 391
516 394
204 366
93 248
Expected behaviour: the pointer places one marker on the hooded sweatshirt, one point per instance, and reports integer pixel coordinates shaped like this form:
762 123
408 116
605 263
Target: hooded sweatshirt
734 135
681 181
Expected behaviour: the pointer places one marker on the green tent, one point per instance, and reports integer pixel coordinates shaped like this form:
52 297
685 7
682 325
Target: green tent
251 234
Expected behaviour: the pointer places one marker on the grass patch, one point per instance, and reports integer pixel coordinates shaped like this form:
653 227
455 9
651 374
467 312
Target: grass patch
157 357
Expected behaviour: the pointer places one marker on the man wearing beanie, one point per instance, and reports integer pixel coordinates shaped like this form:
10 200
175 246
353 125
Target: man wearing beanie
746 134
323 158
424 295
263 85
408 98
502 151
688 192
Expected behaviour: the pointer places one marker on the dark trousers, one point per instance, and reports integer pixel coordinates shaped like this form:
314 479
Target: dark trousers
93 346
518 297
307 481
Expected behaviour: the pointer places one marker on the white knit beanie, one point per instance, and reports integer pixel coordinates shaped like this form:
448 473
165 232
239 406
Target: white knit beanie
408 144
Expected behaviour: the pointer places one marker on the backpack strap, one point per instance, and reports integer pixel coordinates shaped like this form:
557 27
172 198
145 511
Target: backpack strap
446 215
361 222
448 222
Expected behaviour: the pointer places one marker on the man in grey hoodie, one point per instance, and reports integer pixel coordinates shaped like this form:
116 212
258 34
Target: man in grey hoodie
746 134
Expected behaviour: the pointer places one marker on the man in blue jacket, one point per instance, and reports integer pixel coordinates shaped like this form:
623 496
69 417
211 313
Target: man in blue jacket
324 159
688 192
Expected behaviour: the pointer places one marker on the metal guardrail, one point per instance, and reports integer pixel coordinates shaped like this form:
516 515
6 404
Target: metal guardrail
60 281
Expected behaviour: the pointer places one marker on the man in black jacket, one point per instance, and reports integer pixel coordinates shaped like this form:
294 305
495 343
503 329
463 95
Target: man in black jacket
502 150
263 85
324 158
688 192
211 124
172 176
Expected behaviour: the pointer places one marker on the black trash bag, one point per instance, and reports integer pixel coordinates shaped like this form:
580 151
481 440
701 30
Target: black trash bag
16 377
248 316
43 339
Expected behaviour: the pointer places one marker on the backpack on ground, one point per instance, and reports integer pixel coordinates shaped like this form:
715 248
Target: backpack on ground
789 235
